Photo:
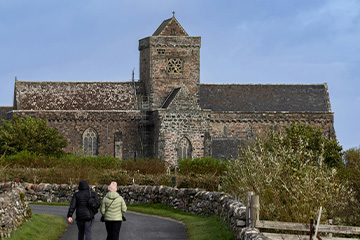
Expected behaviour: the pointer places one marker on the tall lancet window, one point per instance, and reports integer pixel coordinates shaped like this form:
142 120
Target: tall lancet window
90 142
184 148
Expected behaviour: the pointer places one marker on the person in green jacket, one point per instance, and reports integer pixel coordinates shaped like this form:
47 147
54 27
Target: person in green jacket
113 209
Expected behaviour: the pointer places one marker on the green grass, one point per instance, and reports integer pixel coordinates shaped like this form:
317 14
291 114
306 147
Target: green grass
40 227
198 227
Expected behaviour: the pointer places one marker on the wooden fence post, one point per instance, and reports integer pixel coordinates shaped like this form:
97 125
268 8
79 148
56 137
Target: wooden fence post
248 203
255 210
330 222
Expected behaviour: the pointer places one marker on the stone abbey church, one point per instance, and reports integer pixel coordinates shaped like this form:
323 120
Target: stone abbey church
168 113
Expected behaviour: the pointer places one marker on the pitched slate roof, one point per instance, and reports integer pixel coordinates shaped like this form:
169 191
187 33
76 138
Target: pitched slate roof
171 97
265 97
170 27
74 96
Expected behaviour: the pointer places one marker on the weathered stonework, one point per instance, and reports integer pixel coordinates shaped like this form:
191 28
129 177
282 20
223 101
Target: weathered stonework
154 53
108 124
14 210
75 96
4 110
196 201
168 113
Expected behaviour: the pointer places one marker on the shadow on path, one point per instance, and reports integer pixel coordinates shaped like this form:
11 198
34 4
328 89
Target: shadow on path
138 226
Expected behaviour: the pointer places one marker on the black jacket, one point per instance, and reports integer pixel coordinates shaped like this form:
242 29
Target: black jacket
79 202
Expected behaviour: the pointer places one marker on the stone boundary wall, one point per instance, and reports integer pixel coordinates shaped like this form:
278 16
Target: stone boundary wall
14 210
196 201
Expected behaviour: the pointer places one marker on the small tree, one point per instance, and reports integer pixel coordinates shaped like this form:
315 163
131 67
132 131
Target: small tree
350 173
32 135
290 176
314 140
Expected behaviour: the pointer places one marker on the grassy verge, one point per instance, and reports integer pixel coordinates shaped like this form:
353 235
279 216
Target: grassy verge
40 227
199 227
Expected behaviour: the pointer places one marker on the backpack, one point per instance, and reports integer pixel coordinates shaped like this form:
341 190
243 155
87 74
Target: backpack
93 204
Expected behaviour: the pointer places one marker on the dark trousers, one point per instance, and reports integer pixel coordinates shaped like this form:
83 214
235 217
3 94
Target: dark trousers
84 228
113 229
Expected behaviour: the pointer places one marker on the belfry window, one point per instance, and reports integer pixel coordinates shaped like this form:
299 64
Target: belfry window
174 65
161 51
184 148
90 142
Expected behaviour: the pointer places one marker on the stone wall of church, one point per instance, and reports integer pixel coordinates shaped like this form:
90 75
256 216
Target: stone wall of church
228 130
171 127
155 53
110 126
4 112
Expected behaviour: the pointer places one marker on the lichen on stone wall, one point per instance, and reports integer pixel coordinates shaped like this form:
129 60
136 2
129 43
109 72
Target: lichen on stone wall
14 210
197 201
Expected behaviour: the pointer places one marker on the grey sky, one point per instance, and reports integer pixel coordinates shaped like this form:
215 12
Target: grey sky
243 41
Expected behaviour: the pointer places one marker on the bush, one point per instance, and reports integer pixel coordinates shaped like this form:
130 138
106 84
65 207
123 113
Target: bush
32 135
31 167
350 173
207 165
95 162
292 181
35 160
28 159
315 141
144 166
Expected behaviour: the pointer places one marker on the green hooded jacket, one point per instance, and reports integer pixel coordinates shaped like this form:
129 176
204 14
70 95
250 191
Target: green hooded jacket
117 208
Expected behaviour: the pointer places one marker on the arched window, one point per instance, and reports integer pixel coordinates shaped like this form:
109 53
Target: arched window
90 142
184 148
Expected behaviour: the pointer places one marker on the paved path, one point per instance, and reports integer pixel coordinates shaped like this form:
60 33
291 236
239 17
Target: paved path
138 226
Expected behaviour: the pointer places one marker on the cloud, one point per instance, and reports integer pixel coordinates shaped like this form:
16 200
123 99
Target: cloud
335 15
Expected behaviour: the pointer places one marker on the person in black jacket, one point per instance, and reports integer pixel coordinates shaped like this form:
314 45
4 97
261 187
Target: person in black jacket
84 216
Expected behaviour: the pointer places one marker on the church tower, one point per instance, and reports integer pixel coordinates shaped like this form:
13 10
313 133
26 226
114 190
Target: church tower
169 59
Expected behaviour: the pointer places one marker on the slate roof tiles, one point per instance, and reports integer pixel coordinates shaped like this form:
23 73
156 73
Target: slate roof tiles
265 97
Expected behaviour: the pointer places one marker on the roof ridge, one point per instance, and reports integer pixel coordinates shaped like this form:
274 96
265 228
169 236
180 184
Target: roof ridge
164 25
264 84
73 82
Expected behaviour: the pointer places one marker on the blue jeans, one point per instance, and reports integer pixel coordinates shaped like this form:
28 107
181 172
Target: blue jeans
84 228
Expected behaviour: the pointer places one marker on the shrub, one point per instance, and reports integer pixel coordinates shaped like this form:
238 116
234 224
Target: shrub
350 173
204 181
292 181
315 141
144 166
32 135
96 162
207 165
35 160
28 159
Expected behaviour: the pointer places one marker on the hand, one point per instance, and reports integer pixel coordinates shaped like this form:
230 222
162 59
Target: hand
70 220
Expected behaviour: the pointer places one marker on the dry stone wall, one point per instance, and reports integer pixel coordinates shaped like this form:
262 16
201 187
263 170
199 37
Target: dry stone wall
196 201
14 210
